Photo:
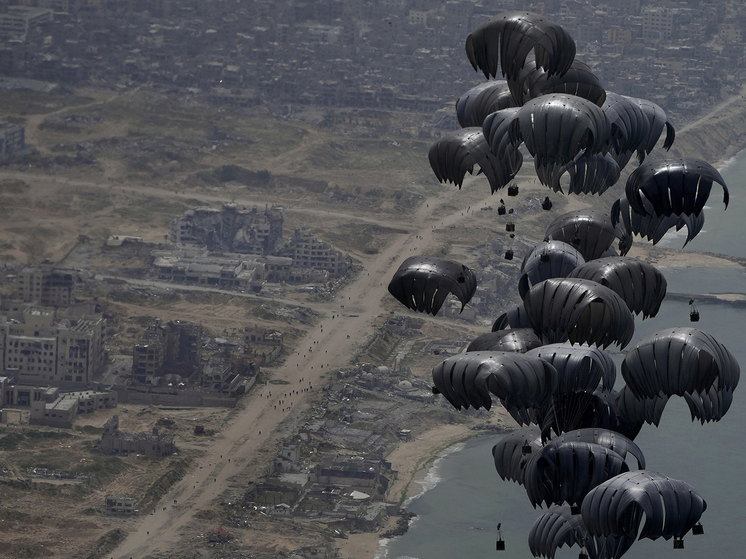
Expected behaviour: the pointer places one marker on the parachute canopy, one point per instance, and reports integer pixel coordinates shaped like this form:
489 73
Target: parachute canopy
616 507
520 382
677 361
456 154
422 283
583 310
591 232
639 284
550 259
511 36
672 186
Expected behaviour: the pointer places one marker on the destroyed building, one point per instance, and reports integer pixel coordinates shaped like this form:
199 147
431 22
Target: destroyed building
173 348
115 441
231 228
117 504
199 267
41 345
12 138
309 252
231 233
47 286
49 405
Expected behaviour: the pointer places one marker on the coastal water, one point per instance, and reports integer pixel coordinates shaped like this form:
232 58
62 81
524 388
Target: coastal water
458 514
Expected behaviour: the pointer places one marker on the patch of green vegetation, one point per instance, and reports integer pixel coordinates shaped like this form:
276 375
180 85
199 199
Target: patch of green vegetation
89 429
107 543
144 320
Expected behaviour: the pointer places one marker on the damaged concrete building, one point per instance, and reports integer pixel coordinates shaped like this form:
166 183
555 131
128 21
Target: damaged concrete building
41 345
231 228
12 138
172 348
47 286
115 441
213 244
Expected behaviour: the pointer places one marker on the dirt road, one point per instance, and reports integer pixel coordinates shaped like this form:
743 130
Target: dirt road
328 346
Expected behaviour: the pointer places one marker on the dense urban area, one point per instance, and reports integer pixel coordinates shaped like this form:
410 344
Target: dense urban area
116 325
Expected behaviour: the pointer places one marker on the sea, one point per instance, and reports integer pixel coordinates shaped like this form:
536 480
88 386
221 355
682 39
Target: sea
464 498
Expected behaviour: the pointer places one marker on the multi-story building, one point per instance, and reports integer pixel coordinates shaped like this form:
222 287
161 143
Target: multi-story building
657 24
46 285
231 228
309 252
173 348
12 136
17 20
43 346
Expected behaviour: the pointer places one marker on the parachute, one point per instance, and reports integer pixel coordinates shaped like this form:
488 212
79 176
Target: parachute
513 451
519 340
564 471
616 507
521 382
639 284
558 526
514 318
678 361
578 367
422 283
630 127
550 259
584 311
658 120
672 186
579 81
558 128
456 154
474 105
591 232
516 34
588 174
651 226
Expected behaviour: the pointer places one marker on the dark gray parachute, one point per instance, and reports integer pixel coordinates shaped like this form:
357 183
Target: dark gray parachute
658 121
514 318
651 226
519 340
549 259
616 507
584 311
672 187
713 403
474 105
558 526
609 439
513 451
678 361
588 174
556 129
456 154
564 472
591 232
639 410
630 127
639 284
578 367
422 283
579 81
508 39
521 383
